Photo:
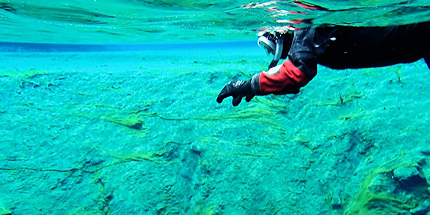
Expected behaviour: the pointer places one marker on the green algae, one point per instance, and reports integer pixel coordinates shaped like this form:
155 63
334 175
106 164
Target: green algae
119 158
382 192
289 208
252 154
181 72
356 115
133 122
153 156
341 99
85 210
205 210
133 118
398 71
258 113
272 103
28 78
4 211
24 74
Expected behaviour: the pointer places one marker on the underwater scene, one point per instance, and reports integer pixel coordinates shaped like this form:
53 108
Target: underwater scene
109 107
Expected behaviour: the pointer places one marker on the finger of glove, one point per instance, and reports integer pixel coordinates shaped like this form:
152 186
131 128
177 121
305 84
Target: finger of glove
237 100
225 92
248 98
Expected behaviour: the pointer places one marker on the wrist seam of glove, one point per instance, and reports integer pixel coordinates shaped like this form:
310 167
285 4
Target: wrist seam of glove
255 84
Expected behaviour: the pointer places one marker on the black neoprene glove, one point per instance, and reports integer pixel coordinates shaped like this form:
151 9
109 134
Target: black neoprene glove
238 90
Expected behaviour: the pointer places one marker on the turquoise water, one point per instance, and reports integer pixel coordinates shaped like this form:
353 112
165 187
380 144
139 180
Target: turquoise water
107 108
161 21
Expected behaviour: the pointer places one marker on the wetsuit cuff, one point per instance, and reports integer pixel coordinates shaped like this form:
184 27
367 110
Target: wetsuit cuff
255 84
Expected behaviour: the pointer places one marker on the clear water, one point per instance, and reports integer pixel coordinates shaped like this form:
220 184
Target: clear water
137 21
108 107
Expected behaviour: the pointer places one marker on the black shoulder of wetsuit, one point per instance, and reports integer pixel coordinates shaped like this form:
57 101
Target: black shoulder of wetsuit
302 52
322 38
288 38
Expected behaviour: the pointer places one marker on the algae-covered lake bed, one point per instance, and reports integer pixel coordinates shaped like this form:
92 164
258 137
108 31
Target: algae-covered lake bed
140 132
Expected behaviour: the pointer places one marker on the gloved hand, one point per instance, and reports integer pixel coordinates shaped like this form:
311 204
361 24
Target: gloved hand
238 90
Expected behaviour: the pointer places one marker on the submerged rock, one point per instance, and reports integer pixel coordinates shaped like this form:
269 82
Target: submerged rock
422 209
336 201
409 177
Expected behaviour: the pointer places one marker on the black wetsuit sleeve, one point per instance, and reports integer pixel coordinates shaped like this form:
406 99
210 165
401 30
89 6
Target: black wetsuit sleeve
302 53
427 60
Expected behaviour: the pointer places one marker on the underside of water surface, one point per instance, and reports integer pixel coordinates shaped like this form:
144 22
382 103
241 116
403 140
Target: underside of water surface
134 21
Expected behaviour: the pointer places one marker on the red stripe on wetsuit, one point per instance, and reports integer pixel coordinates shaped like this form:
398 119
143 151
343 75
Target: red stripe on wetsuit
289 79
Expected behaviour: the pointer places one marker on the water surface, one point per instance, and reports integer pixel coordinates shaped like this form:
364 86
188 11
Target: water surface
134 21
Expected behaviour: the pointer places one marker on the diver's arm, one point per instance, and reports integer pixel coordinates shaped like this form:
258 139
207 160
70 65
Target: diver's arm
282 79
287 78
295 72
